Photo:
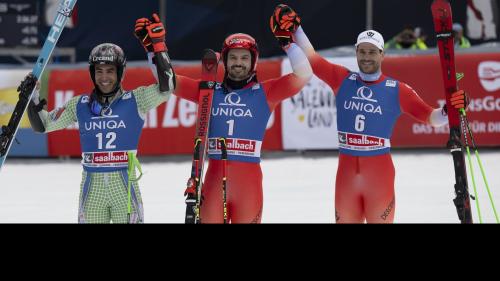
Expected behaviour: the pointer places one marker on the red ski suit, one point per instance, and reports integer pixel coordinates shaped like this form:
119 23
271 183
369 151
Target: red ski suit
364 186
244 179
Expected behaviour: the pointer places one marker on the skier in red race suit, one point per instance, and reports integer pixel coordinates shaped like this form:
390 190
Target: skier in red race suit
368 105
241 108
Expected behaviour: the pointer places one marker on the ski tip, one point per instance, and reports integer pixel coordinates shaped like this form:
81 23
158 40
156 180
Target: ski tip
211 55
210 61
441 8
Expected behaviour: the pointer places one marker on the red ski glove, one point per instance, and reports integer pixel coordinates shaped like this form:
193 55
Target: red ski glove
157 33
142 33
284 22
459 99
285 18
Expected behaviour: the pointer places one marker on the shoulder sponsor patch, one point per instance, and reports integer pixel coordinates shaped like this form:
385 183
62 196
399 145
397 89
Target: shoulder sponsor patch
353 76
390 83
256 86
127 96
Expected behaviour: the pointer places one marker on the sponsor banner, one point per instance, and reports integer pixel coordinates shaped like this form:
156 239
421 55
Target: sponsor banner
306 121
488 73
309 119
481 82
169 128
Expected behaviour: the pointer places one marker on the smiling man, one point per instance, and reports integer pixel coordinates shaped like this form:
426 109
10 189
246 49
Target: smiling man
241 109
368 106
110 123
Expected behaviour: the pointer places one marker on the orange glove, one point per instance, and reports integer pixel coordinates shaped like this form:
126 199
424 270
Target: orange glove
285 18
459 99
157 33
142 34
284 22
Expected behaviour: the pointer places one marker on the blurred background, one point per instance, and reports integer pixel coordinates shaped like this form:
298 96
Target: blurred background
193 25
305 122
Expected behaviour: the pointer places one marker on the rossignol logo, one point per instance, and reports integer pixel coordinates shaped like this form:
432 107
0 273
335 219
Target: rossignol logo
363 94
203 123
489 75
62 14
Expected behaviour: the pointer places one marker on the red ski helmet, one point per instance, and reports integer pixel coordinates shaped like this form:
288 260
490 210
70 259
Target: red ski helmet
241 41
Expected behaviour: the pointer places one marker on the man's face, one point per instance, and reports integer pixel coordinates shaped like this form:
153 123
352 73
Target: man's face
106 77
369 58
239 62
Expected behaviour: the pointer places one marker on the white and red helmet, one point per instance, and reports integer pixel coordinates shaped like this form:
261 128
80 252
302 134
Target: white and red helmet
241 41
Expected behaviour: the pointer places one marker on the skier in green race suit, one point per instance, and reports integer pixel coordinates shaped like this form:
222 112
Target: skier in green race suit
110 123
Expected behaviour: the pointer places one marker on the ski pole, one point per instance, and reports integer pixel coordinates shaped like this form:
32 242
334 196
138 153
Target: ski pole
476 197
133 162
476 152
223 146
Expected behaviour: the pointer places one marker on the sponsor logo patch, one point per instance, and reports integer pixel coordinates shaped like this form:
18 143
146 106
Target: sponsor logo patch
105 159
361 142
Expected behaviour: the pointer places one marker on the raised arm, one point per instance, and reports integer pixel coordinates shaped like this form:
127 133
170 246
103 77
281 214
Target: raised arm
145 30
283 23
286 24
289 85
151 33
332 74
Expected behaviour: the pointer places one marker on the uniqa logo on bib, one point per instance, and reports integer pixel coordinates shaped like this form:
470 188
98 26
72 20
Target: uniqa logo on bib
489 75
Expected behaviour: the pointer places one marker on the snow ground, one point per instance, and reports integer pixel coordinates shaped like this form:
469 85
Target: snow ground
298 188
